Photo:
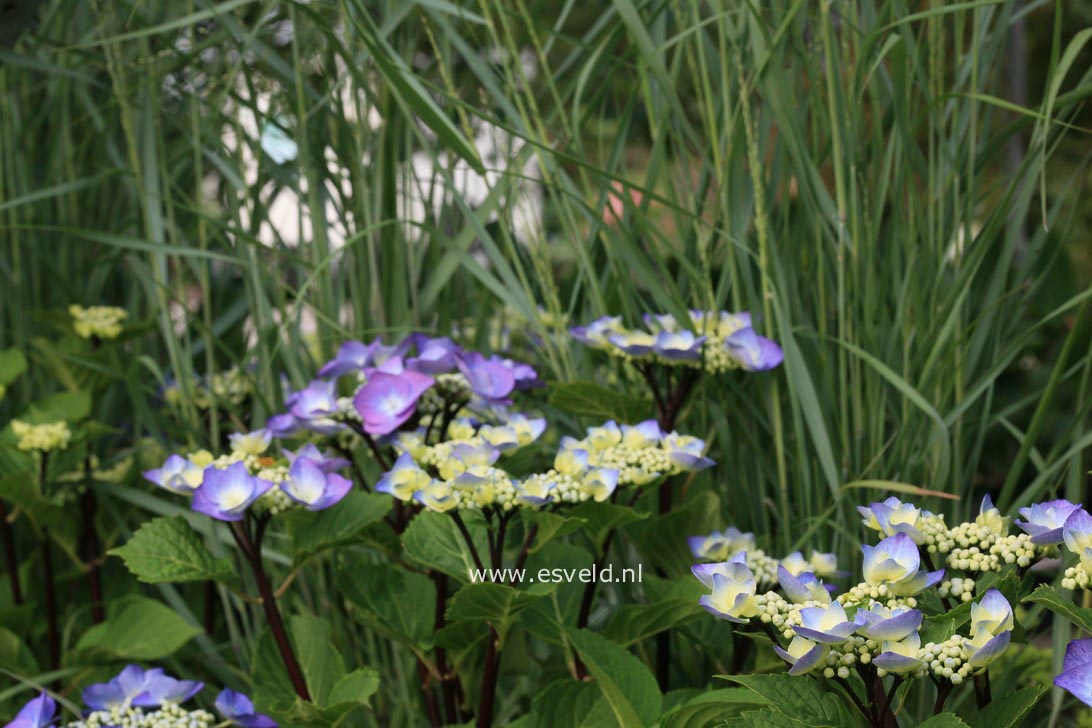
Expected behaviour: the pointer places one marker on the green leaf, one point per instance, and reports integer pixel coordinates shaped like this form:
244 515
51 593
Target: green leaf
496 604
21 490
709 707
634 622
68 406
433 540
570 703
167 549
137 629
1009 710
801 699
398 603
625 681
944 720
335 694
315 531
1058 603
15 655
600 518
550 526
588 399
12 365
662 539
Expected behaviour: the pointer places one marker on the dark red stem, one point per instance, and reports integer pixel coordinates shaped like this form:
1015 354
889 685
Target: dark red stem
49 587
91 556
10 559
252 549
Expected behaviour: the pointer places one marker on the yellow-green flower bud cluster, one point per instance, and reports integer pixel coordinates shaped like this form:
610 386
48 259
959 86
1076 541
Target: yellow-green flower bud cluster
763 566
102 322
957 588
1078 577
41 438
946 659
640 453
274 500
980 549
229 387
168 715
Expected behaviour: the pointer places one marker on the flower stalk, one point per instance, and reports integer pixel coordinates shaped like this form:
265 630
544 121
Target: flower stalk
11 560
252 550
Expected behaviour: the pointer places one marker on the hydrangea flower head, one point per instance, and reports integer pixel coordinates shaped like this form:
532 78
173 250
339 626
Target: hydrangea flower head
900 656
177 474
1044 521
804 587
803 655
37 713
828 625
1077 531
250 443
752 352
239 709
992 613
990 517
893 516
721 545
598 332
315 407
226 494
352 356
327 462
733 596
895 561
312 487
1076 675
386 401
404 478
984 648
434 355
884 624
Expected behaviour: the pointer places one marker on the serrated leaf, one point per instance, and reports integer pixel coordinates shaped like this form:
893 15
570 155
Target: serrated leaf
550 526
1008 710
1058 603
137 629
496 604
709 707
335 693
314 532
600 518
167 549
570 703
801 699
398 603
634 622
589 399
433 540
625 681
